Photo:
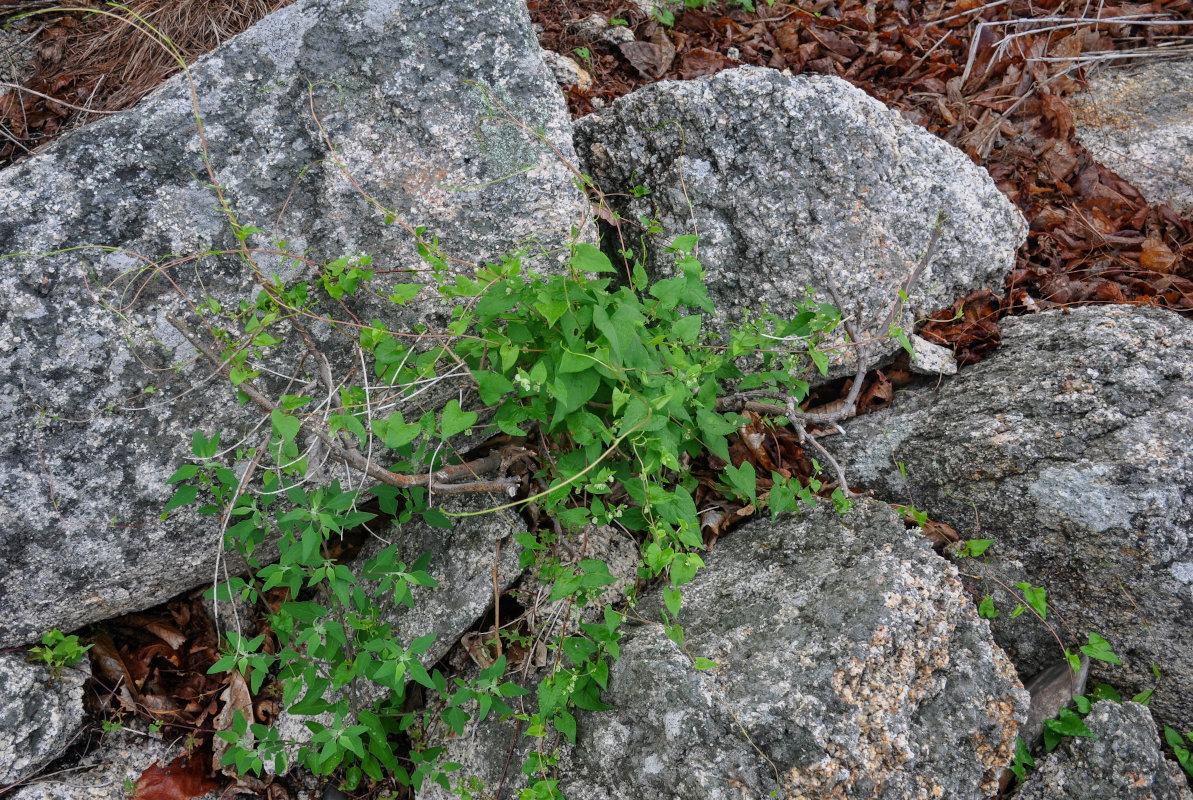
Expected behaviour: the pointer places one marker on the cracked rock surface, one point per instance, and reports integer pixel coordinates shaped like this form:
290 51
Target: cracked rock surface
1069 446
846 650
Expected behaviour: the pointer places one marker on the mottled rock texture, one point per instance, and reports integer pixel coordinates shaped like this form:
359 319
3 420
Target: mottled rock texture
1138 121
1123 762
40 714
793 182
101 773
1069 446
847 652
397 87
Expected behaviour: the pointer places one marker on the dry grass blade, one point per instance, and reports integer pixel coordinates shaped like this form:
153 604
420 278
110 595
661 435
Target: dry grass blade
14 87
136 64
105 61
1044 25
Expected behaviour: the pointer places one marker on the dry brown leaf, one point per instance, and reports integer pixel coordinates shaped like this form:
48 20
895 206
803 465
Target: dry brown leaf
961 7
1057 111
652 58
604 212
478 647
701 61
940 534
148 652
787 38
877 394
1060 160
111 667
235 697
1156 256
185 777
166 632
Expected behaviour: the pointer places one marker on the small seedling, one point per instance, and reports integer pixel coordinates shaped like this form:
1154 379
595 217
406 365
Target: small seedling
974 548
910 512
58 651
1022 760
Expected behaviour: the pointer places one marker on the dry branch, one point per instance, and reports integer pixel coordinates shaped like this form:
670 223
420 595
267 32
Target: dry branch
449 480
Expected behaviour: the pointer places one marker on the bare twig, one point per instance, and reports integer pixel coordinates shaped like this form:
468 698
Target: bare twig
906 287
849 408
840 473
449 480
746 400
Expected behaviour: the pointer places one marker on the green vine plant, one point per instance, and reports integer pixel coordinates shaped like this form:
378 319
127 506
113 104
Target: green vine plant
624 385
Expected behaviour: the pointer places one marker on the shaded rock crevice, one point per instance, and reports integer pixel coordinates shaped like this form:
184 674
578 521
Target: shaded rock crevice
1067 446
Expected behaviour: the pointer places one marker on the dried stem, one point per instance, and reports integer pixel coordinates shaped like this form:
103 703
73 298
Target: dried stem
449 480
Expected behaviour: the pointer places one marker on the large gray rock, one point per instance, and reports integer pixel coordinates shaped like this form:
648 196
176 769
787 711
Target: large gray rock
84 455
1139 122
1124 762
790 180
1069 446
850 664
40 714
103 772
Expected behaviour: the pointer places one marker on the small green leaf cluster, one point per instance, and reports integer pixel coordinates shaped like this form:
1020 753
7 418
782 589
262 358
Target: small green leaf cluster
1181 748
600 368
667 17
920 517
58 651
1022 761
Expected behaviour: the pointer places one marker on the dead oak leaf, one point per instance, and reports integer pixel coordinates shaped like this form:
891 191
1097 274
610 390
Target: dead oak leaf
1156 256
236 698
652 59
701 61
